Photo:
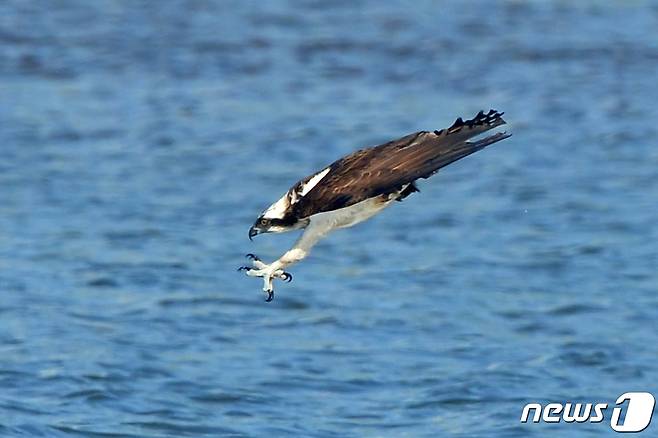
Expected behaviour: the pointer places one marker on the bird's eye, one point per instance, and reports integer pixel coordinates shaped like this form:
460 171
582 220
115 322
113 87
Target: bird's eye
262 221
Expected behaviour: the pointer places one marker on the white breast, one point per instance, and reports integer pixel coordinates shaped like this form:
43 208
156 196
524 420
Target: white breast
349 216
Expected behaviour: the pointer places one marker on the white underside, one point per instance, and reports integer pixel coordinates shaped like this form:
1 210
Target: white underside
349 216
322 223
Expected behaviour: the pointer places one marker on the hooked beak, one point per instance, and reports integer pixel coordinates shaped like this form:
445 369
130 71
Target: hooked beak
252 233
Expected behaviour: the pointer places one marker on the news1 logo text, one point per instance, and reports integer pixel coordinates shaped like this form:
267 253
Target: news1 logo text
632 412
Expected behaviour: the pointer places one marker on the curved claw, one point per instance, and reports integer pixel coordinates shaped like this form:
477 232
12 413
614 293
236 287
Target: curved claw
251 256
244 268
270 295
286 276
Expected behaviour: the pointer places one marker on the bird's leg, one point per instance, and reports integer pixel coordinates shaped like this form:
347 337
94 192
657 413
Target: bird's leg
256 261
310 237
267 272
260 268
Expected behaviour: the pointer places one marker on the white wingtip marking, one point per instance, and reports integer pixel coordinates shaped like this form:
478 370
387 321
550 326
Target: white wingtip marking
279 208
314 181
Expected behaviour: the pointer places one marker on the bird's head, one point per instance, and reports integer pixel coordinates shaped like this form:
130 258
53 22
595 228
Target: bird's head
262 225
269 220
277 218
270 225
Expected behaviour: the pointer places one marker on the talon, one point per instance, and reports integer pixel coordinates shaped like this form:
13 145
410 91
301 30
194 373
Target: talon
244 268
252 257
286 276
270 295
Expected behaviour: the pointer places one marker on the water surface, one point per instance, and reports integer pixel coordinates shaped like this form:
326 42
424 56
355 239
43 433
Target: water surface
140 140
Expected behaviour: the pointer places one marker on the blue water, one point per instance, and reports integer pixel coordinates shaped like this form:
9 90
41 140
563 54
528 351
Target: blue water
139 141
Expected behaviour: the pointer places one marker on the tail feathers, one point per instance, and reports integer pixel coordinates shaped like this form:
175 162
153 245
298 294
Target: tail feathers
453 142
467 148
481 144
463 130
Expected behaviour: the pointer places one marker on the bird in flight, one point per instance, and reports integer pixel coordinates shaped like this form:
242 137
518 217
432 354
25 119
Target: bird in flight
360 185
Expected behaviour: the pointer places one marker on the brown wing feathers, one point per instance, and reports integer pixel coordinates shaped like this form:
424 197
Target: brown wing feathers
386 168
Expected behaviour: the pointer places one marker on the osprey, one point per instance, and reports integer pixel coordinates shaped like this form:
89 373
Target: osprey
360 185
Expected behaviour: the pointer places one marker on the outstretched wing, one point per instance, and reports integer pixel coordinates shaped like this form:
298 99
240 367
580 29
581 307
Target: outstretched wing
388 167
